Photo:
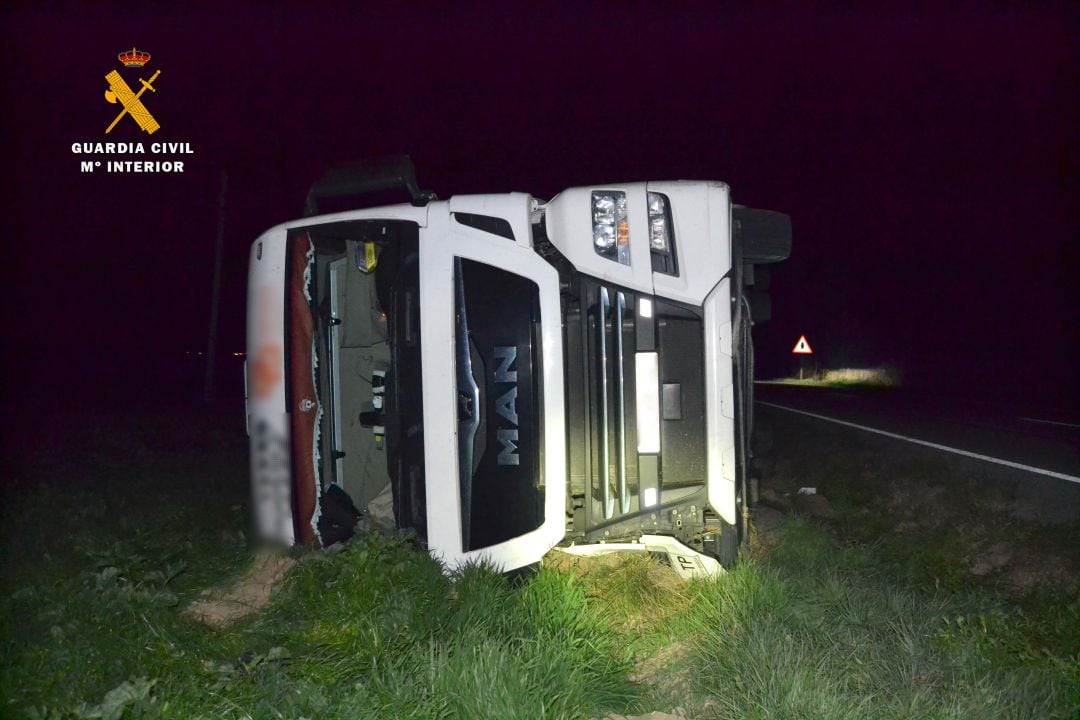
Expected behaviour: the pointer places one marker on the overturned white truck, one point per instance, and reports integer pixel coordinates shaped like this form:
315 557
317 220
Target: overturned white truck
516 374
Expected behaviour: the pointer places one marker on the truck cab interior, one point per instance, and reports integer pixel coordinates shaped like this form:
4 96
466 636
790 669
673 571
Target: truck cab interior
360 288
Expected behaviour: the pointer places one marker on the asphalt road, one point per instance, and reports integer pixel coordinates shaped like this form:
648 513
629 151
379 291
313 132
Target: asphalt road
1048 444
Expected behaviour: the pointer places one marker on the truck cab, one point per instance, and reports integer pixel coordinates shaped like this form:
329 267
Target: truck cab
512 373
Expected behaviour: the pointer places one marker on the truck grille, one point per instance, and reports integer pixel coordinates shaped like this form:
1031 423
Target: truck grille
605 330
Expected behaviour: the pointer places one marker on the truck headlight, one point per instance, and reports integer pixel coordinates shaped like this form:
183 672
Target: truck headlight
661 235
659 232
611 226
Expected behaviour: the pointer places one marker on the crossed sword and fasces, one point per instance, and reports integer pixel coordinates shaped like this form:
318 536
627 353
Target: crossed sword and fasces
119 90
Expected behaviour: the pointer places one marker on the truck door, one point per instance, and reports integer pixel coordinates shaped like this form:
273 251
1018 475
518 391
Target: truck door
494 388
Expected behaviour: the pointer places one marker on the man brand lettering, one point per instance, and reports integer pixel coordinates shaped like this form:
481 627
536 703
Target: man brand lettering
506 405
508 454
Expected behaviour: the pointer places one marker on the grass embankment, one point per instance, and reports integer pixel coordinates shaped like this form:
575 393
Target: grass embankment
100 560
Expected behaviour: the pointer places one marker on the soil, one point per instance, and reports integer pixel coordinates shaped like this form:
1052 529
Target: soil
816 506
221 608
654 669
659 574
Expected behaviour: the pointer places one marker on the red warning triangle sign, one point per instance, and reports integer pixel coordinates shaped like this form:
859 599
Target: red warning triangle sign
802 347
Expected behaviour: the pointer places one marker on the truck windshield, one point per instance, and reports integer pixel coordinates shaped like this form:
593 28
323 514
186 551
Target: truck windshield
500 408
363 293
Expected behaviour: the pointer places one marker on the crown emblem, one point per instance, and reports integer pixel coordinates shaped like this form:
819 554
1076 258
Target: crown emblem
134 58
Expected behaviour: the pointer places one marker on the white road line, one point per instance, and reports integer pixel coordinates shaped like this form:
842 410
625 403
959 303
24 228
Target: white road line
1049 422
965 453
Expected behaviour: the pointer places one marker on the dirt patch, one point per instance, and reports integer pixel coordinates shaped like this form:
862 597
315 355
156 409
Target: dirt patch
221 608
816 506
767 519
774 498
1032 568
993 558
765 522
807 501
1025 567
581 565
659 574
673 678
656 669
919 505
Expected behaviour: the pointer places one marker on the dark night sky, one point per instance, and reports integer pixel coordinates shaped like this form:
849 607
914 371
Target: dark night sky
928 162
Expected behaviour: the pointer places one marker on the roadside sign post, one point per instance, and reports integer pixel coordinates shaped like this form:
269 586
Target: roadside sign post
802 349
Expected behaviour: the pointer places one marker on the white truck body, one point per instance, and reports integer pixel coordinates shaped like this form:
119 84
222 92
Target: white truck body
605 408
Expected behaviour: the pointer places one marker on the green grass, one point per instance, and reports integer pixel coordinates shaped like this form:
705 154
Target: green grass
822 630
115 525
106 540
